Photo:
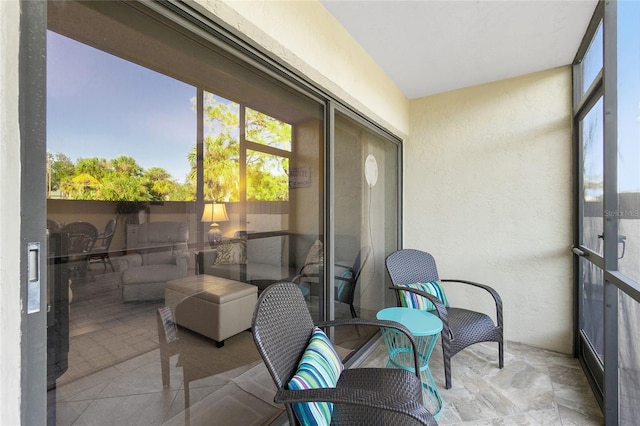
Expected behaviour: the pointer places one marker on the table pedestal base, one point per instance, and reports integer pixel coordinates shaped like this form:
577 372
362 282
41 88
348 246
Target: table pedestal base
401 356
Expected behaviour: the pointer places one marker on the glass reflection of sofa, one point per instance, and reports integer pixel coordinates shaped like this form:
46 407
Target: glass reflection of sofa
248 259
162 254
252 258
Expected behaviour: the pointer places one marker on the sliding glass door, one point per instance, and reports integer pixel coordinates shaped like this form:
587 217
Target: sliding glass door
607 95
214 167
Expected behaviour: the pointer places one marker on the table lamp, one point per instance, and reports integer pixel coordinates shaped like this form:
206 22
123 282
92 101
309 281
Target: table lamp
214 213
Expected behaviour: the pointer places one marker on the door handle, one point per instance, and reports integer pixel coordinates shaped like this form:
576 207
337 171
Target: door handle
33 274
579 252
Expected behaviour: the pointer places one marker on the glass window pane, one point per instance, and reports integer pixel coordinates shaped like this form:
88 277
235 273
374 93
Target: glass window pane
105 116
221 150
591 131
366 170
148 112
592 62
628 360
629 139
265 130
267 177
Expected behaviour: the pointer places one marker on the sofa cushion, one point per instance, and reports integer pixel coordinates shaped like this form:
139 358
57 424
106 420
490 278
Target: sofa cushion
314 260
231 252
158 254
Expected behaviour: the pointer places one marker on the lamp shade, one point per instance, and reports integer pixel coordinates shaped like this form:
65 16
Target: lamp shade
215 212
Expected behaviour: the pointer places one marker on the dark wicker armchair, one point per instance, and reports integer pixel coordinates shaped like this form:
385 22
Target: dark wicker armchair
461 327
282 327
346 278
102 243
82 236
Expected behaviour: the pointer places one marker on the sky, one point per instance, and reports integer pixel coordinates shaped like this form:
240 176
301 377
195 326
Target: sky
99 105
628 96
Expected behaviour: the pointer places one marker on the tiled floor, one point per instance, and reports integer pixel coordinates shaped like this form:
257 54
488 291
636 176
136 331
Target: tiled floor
536 387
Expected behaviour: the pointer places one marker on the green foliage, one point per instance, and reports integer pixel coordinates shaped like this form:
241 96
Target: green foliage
60 168
122 179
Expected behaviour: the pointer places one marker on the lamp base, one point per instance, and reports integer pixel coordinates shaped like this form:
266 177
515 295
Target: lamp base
214 235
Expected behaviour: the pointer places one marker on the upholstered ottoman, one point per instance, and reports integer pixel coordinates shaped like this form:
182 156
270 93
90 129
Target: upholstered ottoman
212 306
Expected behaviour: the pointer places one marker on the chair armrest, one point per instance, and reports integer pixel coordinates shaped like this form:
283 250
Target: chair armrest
205 258
441 310
490 290
378 323
208 256
129 261
182 261
364 398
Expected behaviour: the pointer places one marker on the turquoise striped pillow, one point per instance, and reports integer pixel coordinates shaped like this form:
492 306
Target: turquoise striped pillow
320 367
415 301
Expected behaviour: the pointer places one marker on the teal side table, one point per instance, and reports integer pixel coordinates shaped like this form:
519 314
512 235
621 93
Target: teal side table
425 327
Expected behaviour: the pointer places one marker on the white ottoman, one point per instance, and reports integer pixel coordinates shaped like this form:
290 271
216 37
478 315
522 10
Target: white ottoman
212 306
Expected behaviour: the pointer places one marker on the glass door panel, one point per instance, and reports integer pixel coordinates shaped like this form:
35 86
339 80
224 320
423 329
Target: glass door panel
592 314
145 118
591 131
366 222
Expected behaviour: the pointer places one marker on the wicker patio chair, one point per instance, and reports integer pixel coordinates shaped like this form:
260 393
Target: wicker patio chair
102 243
82 236
346 278
282 327
460 327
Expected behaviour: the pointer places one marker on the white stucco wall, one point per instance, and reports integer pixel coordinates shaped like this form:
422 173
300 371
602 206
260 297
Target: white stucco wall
488 193
10 307
303 35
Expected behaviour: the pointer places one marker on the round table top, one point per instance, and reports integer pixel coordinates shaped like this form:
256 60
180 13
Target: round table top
419 323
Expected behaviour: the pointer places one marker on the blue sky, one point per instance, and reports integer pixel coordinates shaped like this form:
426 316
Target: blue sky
628 96
99 105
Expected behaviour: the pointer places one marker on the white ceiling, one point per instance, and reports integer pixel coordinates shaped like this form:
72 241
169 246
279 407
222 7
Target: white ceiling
428 46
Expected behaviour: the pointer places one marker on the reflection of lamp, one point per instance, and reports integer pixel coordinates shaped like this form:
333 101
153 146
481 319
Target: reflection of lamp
214 212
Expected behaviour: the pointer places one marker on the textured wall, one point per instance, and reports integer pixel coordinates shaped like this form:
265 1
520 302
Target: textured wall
10 303
488 193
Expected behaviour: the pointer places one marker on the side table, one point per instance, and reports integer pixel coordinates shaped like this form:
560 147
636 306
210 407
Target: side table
425 327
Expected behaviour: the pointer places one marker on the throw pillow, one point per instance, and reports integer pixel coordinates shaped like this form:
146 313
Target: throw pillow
319 367
170 328
343 286
231 252
314 259
412 300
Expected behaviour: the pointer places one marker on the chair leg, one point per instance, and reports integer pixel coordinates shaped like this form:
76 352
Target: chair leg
447 367
501 354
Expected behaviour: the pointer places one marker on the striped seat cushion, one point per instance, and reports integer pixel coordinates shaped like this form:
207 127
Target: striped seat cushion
415 301
319 367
